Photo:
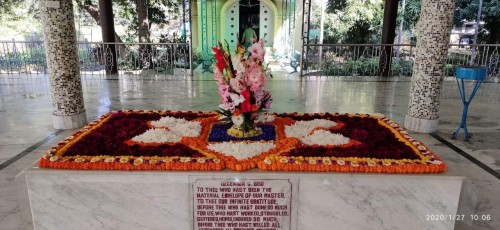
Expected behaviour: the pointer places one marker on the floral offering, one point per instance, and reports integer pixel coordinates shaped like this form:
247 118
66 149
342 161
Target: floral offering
168 140
241 77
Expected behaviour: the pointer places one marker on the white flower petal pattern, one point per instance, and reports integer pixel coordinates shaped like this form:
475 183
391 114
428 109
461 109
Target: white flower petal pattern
323 137
241 150
303 128
302 131
180 126
158 136
176 128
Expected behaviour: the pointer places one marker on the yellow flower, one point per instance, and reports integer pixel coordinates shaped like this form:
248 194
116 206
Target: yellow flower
124 160
201 160
216 161
54 158
267 161
109 160
284 160
185 159
138 161
371 163
312 161
354 163
95 159
340 162
79 159
327 161
386 162
153 161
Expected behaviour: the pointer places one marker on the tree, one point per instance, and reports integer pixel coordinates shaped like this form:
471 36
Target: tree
411 14
6 6
92 8
353 21
160 12
108 33
19 17
143 20
127 13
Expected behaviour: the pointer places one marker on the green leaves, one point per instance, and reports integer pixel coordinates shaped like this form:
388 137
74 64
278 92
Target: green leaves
226 115
350 21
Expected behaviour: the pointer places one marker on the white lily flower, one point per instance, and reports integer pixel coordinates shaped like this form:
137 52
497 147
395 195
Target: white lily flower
237 99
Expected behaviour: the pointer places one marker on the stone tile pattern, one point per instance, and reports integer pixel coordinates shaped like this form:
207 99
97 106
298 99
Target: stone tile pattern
62 57
433 28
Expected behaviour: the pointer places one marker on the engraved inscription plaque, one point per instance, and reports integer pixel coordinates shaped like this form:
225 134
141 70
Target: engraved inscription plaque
241 204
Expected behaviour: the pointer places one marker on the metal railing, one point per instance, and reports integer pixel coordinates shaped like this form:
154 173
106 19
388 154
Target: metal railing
22 57
486 55
176 58
364 59
97 58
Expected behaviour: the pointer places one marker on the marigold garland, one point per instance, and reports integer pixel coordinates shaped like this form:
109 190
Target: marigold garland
279 158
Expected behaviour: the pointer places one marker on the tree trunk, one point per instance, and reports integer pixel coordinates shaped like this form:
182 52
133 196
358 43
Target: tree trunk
494 36
143 24
108 31
94 12
388 35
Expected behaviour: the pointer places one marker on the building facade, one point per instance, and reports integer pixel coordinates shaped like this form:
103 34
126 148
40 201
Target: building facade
279 21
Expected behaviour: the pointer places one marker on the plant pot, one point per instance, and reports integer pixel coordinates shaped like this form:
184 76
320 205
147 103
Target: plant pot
243 127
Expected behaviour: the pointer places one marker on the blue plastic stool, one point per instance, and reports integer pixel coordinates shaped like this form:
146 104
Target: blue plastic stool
473 73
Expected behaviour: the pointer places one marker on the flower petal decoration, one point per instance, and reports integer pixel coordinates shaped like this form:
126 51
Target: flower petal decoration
170 140
174 130
179 126
158 136
323 137
303 128
241 150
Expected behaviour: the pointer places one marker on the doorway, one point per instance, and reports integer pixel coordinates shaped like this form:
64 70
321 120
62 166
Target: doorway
249 16
259 14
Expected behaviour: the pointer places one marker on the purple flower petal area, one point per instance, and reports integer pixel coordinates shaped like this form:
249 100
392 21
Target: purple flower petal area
110 137
376 140
218 133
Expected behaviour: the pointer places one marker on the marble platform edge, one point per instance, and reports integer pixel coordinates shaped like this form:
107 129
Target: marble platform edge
25 204
468 201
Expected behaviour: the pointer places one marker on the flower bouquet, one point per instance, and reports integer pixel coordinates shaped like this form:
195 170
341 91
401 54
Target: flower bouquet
241 77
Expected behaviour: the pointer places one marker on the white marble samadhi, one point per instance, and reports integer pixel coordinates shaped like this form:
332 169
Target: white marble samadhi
62 199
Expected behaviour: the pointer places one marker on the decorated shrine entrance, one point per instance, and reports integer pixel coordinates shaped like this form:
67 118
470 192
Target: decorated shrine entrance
223 20
237 16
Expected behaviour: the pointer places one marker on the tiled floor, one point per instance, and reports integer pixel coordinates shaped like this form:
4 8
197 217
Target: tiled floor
26 131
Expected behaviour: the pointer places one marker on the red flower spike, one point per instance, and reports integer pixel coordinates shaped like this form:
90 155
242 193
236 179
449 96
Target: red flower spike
219 56
246 106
